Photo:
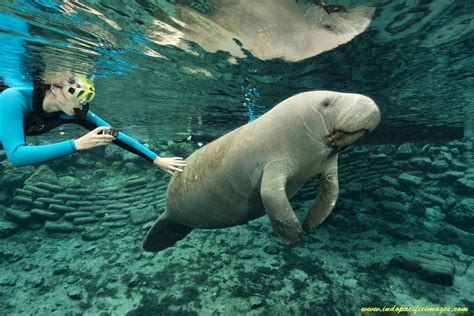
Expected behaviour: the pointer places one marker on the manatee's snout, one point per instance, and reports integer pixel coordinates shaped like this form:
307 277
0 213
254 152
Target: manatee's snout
373 115
358 115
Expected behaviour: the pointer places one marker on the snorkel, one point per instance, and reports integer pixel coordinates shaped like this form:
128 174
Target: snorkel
82 111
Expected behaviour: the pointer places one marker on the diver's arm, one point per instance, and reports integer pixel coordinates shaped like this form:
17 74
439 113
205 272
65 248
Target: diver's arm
124 141
12 111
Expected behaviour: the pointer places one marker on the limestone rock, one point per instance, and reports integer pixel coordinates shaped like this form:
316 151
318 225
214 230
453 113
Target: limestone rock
439 165
140 182
75 292
420 162
53 227
42 174
115 218
465 185
17 177
131 167
49 186
392 194
17 216
7 228
409 179
453 175
50 216
395 206
95 233
462 215
68 182
84 220
390 181
404 151
73 215
431 268
139 216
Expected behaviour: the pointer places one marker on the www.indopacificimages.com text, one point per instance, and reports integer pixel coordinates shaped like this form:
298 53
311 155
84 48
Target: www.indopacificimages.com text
415 309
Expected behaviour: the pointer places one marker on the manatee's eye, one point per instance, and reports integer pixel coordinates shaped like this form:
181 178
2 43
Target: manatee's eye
327 27
326 103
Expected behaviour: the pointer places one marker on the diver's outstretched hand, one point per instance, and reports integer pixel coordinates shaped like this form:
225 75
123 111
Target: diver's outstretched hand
170 164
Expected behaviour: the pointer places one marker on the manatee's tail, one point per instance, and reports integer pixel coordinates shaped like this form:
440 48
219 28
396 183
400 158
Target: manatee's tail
163 234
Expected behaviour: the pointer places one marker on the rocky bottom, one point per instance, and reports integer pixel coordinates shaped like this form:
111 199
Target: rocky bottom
240 270
401 234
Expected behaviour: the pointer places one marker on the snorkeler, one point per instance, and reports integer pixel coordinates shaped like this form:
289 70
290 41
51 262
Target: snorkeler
35 111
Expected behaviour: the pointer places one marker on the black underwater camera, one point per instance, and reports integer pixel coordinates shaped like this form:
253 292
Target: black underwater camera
111 131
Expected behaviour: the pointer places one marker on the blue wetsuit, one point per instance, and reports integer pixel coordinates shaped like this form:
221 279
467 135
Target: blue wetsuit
22 114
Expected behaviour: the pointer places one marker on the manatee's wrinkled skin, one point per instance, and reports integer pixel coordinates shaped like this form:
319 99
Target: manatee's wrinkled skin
255 169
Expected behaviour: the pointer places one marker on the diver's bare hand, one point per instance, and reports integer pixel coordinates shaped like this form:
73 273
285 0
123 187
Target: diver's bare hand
170 164
93 139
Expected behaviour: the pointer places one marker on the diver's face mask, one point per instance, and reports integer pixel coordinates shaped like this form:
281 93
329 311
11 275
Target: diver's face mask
83 91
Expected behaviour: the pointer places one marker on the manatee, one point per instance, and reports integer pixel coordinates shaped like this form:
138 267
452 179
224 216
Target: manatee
255 169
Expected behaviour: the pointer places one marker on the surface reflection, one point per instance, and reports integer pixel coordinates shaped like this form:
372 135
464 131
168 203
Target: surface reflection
269 29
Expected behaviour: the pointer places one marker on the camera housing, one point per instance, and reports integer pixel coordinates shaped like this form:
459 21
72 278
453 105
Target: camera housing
111 131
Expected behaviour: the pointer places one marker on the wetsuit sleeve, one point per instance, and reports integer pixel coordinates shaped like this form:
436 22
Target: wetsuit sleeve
124 141
12 111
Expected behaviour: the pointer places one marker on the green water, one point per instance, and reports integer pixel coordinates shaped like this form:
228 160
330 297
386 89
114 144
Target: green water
401 232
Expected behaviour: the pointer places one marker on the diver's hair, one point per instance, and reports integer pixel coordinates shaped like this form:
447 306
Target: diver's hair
39 91
3 86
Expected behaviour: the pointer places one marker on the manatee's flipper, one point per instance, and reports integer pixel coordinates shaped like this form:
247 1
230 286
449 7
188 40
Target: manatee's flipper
327 196
163 234
274 198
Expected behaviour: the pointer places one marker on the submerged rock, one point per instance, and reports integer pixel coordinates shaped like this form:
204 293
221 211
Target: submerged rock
49 187
61 209
50 216
117 224
75 292
8 280
68 181
459 165
17 216
136 182
271 249
42 174
23 200
431 268
391 181
453 175
84 220
7 228
255 301
409 179
53 227
95 233
430 200
131 167
393 206
404 151
73 215
115 218
439 165
420 162
465 186
37 190
392 194
16 177
143 215
434 214
462 215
